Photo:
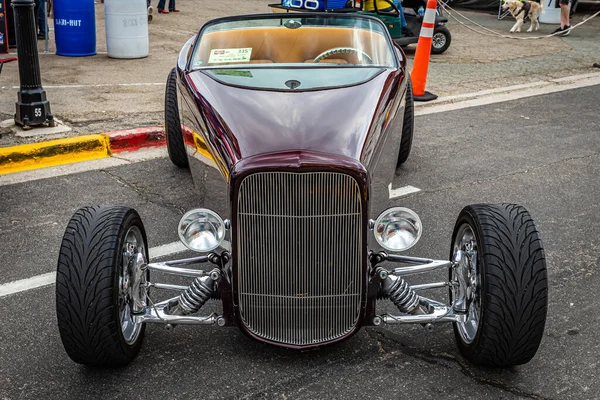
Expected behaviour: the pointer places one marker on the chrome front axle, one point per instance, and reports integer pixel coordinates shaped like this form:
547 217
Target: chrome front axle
415 309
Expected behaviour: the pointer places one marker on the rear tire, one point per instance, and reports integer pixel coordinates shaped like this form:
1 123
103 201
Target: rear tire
175 143
441 39
94 286
408 126
507 297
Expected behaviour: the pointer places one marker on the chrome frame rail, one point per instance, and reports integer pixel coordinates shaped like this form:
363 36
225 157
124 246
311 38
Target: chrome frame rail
438 312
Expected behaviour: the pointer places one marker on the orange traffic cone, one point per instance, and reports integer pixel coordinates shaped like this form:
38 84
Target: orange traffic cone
421 62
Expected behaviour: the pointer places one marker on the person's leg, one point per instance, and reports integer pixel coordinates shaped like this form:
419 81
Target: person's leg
36 13
172 6
564 14
43 27
161 5
402 19
398 5
564 17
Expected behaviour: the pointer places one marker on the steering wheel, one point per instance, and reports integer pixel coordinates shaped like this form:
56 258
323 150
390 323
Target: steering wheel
340 50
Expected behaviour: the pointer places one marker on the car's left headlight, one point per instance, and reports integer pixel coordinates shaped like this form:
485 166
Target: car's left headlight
201 230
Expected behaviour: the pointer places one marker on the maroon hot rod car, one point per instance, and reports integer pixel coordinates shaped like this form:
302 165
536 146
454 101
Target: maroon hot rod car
306 118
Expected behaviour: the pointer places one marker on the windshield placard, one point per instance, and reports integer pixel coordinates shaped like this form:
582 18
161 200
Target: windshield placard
230 55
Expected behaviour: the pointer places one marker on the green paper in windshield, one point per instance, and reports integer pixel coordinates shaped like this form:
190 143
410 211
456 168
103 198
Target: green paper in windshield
233 72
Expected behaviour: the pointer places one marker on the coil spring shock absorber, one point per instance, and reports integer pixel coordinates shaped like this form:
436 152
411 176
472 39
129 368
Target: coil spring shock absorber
198 293
399 292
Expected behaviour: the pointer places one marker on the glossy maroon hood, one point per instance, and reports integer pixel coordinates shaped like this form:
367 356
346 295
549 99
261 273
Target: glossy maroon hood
249 122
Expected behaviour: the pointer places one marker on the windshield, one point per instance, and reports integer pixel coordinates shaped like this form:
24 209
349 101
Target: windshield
298 51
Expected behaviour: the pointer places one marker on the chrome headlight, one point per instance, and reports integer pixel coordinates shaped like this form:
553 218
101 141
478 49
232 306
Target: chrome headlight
201 230
398 229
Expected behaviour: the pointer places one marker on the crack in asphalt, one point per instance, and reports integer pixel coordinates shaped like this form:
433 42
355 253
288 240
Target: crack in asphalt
144 194
431 357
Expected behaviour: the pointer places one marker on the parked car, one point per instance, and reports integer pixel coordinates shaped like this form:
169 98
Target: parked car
306 124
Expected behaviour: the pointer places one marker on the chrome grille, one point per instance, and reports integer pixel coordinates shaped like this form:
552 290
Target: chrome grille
299 272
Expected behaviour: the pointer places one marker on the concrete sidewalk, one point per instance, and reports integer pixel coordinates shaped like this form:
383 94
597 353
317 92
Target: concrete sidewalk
98 94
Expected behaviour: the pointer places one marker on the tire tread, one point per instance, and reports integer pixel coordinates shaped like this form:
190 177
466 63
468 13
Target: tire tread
85 305
516 288
175 143
407 126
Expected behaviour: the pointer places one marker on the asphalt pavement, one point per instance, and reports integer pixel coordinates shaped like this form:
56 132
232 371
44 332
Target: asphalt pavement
542 152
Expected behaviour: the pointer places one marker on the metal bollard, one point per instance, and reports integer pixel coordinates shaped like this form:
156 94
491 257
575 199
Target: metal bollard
32 106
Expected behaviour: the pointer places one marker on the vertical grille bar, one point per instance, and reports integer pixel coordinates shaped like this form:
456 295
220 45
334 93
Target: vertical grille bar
299 274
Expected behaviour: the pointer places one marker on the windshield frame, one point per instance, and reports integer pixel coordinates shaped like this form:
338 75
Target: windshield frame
282 16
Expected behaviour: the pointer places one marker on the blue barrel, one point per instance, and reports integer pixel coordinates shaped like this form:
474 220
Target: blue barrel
75 27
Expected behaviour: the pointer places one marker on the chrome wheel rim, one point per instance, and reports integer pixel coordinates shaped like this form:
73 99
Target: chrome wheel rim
133 248
438 40
466 245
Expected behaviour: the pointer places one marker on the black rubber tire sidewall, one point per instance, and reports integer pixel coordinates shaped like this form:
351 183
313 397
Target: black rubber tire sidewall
113 350
483 350
175 142
131 218
467 216
444 30
408 125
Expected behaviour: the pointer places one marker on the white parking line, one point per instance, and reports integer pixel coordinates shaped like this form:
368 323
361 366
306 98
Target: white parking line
402 191
97 85
167 249
509 93
49 278
27 284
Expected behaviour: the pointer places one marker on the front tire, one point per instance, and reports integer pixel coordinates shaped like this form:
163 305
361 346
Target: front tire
175 143
95 283
500 256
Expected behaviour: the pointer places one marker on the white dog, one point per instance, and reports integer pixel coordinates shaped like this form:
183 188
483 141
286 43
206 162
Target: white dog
522 9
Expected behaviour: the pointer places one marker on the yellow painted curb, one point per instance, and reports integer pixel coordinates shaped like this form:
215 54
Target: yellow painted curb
55 152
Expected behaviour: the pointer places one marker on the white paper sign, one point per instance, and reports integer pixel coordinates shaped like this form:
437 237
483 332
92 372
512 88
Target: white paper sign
230 55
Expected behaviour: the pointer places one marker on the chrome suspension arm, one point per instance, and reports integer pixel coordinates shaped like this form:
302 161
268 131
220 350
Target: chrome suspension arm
419 264
156 313
440 313
173 267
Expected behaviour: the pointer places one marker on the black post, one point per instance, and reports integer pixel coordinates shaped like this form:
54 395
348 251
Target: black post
32 108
